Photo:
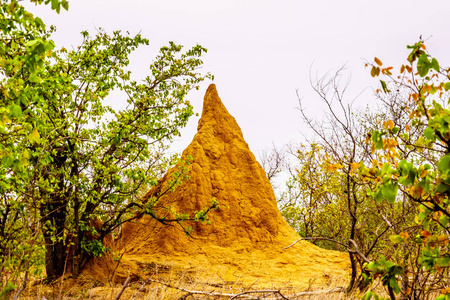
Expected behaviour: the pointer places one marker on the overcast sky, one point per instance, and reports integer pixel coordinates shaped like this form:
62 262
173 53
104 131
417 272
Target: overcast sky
262 51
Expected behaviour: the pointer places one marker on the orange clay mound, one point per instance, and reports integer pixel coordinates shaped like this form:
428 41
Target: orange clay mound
247 232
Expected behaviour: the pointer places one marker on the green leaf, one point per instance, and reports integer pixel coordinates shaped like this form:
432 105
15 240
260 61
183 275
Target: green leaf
394 285
423 65
444 164
442 188
15 111
447 86
384 87
389 191
377 139
396 239
49 46
385 169
422 216
435 65
372 266
32 43
368 295
396 270
56 5
444 261
65 4
429 133
7 161
379 195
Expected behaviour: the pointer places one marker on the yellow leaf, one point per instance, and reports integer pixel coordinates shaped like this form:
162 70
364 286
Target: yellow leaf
424 173
378 61
34 137
404 235
26 154
334 167
6 120
353 166
389 125
374 163
416 219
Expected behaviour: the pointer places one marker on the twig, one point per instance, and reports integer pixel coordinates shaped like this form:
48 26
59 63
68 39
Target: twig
189 291
335 290
278 294
359 252
315 239
292 244
25 281
115 268
123 288
259 292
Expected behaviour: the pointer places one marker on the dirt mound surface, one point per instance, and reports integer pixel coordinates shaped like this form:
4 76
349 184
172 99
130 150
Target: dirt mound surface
245 240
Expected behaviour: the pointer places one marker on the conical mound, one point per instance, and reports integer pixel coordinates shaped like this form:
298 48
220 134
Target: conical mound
223 168
247 232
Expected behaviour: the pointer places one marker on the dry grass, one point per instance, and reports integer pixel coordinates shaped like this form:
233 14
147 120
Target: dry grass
187 286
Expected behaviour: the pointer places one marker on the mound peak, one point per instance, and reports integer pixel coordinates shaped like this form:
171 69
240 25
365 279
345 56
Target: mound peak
224 168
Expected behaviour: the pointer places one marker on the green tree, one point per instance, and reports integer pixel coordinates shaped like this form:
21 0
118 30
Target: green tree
23 50
309 201
69 158
421 176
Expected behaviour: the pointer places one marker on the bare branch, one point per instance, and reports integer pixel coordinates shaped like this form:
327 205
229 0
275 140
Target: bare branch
125 285
277 293
356 249
315 239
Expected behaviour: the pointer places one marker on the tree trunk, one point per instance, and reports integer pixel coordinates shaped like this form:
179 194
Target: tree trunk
55 244
53 214
76 241
353 219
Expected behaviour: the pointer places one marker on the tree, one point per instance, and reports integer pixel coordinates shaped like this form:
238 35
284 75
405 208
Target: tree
394 170
420 176
68 157
23 49
329 198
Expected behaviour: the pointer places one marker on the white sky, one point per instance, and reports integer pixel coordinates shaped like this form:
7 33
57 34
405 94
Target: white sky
261 51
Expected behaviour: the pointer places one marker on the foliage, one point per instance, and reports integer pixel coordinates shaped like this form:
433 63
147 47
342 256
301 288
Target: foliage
422 176
311 201
359 224
73 163
23 50
382 179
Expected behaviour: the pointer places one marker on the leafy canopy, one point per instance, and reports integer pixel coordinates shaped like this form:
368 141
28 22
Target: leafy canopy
69 157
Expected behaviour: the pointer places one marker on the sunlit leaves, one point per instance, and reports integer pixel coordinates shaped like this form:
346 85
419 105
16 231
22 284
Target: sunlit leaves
64 146
334 167
388 272
34 136
417 51
389 191
422 178
15 111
